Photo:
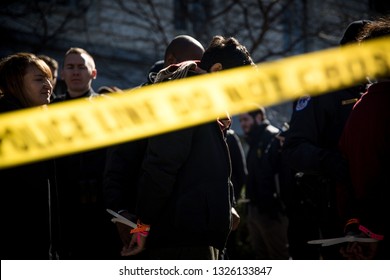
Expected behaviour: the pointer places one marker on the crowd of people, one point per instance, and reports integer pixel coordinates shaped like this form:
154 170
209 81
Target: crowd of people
197 193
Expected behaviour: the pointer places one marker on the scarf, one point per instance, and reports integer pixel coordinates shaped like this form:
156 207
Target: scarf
178 71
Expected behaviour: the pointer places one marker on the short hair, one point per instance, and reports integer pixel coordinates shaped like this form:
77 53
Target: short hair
375 29
81 51
227 51
259 110
352 31
13 68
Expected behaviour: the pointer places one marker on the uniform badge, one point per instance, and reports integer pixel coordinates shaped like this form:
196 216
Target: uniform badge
349 101
302 103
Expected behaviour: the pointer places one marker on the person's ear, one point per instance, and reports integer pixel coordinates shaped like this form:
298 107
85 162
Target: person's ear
94 74
216 67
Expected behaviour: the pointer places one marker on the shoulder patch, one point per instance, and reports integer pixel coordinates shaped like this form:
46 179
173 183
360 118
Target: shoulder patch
302 103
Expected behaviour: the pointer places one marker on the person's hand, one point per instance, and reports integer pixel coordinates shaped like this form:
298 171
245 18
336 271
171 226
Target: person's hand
136 245
281 139
138 240
124 230
235 219
359 250
124 233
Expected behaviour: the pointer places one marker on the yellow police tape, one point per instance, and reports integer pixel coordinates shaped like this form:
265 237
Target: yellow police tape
35 134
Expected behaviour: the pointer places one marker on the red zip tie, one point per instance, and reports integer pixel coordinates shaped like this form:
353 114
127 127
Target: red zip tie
370 233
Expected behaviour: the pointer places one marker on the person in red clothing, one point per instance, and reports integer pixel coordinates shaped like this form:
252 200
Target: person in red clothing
365 144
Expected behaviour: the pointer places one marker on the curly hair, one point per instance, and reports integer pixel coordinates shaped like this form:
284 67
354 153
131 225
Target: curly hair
227 51
375 29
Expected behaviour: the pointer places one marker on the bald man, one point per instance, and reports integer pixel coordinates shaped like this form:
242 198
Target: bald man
182 48
123 164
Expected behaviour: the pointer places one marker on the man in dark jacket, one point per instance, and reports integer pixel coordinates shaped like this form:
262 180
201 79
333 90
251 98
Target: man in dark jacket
267 223
185 195
86 231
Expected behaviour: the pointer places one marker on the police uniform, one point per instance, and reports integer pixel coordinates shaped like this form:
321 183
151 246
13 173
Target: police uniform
311 149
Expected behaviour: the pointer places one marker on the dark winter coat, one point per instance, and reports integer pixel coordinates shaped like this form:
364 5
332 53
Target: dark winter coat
261 184
311 148
122 173
316 124
185 192
237 157
85 224
28 204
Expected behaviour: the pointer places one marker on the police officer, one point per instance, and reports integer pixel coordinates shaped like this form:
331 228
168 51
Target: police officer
311 148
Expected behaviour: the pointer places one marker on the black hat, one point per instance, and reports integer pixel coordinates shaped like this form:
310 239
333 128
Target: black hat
352 31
